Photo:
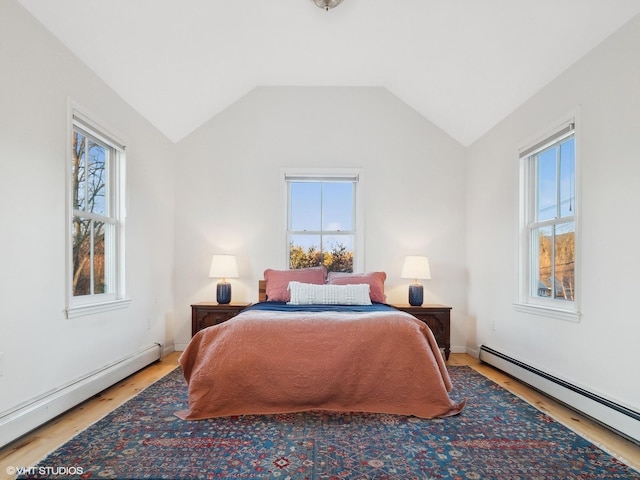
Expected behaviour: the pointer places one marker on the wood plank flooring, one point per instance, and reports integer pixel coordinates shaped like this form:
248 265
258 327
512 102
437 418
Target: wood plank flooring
614 444
31 448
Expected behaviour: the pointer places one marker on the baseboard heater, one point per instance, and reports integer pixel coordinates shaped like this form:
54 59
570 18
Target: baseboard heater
34 413
619 418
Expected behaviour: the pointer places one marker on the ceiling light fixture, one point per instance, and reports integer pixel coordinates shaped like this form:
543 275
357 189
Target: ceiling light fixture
327 4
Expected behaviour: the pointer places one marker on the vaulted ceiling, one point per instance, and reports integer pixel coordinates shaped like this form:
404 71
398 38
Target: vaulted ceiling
462 64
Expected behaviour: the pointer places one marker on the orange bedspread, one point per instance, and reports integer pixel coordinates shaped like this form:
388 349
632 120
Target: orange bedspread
265 363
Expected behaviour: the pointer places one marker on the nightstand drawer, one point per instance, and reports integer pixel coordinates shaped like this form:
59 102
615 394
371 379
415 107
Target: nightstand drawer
208 314
437 318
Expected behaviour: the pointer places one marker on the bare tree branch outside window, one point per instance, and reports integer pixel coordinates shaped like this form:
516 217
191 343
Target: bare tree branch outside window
90 160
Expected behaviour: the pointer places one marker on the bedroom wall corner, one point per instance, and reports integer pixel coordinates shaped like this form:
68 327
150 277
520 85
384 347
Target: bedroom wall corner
593 352
228 190
43 350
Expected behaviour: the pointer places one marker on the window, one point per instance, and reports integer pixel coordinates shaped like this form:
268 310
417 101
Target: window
548 242
322 220
96 233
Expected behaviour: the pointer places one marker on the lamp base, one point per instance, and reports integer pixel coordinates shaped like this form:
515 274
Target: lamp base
416 295
223 293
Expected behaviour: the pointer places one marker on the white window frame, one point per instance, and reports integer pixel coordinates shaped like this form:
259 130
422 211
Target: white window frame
94 303
526 302
325 174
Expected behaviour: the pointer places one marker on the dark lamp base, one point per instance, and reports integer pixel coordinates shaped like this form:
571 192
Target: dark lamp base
416 295
223 293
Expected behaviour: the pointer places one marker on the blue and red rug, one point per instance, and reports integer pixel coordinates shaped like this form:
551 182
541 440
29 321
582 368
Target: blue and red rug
497 436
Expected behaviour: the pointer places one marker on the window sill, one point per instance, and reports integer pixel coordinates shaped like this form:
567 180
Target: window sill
91 309
567 315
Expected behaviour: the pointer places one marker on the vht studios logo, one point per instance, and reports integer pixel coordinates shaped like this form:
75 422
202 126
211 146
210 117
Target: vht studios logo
48 471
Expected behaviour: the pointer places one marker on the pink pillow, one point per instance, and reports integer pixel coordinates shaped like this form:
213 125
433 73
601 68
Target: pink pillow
374 279
278 281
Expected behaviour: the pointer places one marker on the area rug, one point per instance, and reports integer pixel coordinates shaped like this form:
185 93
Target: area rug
497 436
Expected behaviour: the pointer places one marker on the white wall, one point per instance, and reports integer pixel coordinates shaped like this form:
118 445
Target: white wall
42 349
600 352
226 198
228 192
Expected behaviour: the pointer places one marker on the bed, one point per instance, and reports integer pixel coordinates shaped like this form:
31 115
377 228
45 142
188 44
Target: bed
325 353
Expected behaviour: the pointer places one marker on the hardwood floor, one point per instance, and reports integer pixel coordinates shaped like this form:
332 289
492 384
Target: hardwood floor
614 444
31 448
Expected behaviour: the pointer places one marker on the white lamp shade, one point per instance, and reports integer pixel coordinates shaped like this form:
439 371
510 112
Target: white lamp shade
223 266
416 266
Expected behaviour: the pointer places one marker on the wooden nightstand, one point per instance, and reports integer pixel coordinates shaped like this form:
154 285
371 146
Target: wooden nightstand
438 318
207 314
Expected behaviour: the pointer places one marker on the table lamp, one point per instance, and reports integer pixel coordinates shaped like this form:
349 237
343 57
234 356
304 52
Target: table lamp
416 267
223 266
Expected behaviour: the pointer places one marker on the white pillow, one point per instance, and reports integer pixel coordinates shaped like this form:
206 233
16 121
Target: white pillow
311 294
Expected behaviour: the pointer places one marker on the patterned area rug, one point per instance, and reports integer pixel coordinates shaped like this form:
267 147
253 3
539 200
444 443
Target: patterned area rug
497 436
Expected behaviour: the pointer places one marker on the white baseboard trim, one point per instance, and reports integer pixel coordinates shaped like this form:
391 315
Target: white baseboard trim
474 352
22 419
619 418
458 349
167 348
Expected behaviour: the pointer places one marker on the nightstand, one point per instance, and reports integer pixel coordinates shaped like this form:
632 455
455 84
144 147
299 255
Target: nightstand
207 314
438 318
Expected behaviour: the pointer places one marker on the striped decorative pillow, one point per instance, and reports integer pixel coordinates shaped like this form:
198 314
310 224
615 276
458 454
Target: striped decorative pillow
312 294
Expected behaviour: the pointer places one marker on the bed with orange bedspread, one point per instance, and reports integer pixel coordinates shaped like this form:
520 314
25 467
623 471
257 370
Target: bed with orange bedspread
277 358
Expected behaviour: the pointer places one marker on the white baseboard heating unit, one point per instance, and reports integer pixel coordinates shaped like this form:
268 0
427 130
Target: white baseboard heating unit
620 418
30 415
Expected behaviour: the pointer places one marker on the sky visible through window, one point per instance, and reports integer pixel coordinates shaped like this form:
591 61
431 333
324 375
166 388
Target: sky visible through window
548 184
90 164
321 214
554 248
